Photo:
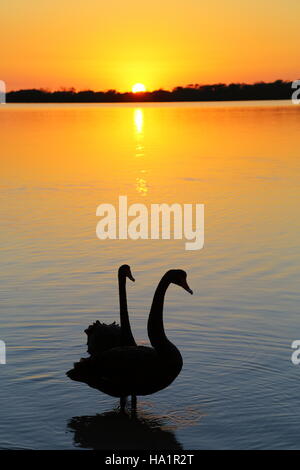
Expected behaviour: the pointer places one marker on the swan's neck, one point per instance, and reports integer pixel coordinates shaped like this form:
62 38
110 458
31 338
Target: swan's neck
126 333
156 330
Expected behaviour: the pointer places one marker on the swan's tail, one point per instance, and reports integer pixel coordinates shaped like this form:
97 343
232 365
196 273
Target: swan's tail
101 337
84 371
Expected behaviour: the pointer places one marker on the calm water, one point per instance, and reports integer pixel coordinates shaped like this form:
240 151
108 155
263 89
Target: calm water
238 388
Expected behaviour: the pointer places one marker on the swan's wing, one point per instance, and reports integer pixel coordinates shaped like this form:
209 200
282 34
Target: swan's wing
101 337
98 326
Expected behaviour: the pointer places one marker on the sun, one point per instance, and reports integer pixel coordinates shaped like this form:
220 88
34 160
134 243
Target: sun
138 88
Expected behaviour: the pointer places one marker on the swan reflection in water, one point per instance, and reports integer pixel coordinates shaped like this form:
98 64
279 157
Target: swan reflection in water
117 430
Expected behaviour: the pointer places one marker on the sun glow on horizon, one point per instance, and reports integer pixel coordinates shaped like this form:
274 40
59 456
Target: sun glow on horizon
138 88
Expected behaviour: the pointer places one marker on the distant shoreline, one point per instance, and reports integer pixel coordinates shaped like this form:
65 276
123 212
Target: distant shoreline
278 90
148 101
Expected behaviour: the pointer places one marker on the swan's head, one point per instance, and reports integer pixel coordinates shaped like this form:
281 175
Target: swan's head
178 276
125 271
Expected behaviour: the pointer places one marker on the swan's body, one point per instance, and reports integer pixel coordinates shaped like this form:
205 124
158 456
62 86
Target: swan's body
137 370
101 336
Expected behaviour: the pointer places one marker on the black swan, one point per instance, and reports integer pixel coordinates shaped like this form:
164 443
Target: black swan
102 336
137 370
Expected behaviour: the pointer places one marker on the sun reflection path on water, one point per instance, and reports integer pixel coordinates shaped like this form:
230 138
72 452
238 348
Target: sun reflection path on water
138 118
138 121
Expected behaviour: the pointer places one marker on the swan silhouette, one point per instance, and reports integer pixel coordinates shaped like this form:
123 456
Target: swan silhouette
137 370
102 336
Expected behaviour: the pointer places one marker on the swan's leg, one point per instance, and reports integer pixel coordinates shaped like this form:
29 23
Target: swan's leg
123 402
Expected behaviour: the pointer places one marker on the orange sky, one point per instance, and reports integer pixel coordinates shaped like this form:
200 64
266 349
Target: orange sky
102 45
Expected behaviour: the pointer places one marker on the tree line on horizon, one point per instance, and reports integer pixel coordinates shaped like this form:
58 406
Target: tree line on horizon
277 90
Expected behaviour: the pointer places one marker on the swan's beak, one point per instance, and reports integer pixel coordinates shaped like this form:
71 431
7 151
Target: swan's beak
130 276
186 287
